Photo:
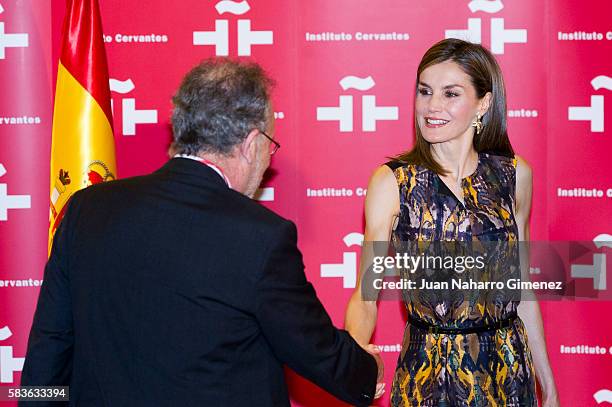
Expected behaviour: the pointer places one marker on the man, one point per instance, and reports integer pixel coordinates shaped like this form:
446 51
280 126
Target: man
176 289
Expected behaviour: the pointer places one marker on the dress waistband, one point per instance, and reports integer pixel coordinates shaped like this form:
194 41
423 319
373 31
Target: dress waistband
434 329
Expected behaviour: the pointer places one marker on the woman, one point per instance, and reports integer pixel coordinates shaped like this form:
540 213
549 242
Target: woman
460 182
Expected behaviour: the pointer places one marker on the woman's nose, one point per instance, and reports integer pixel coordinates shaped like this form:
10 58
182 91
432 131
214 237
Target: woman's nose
435 103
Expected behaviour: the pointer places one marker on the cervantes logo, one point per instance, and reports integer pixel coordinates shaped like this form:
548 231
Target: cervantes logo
597 270
10 201
499 34
220 36
347 270
603 395
15 40
595 112
265 194
371 113
8 364
130 116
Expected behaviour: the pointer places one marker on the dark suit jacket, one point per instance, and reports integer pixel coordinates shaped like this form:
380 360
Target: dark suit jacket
174 290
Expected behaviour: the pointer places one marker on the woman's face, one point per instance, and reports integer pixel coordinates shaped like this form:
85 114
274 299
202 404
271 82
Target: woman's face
446 102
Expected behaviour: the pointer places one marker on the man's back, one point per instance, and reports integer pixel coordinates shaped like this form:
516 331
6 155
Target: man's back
181 291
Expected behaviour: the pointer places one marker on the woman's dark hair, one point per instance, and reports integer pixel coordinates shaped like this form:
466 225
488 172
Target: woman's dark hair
482 68
218 103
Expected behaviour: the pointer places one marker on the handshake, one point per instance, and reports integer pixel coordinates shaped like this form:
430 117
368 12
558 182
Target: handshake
380 385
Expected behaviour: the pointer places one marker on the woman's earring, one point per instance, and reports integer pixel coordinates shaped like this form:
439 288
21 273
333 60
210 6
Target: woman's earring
477 123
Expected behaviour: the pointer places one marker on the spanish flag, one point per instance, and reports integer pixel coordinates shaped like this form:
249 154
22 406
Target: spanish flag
82 146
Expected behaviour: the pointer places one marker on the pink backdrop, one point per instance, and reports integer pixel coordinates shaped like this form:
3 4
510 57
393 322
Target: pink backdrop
555 55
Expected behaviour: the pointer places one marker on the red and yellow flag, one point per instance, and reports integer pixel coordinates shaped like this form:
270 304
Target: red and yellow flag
83 146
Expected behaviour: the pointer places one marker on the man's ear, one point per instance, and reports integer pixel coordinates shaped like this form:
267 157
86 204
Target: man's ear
248 148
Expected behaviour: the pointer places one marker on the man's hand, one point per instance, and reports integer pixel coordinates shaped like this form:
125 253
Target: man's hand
380 385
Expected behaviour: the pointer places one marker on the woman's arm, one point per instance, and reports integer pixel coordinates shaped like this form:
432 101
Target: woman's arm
529 311
381 206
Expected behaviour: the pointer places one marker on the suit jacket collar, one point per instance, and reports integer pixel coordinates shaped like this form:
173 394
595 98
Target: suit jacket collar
192 169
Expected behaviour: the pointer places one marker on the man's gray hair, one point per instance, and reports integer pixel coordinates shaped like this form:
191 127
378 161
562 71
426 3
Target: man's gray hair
218 103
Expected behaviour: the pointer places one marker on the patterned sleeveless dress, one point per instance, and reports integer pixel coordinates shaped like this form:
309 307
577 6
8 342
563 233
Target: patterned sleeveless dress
491 368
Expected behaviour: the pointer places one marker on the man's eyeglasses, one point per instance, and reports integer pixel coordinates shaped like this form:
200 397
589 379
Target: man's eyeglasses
274 145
